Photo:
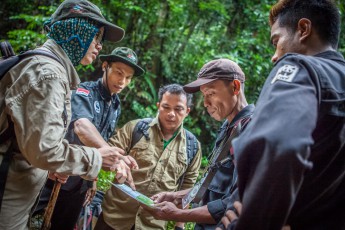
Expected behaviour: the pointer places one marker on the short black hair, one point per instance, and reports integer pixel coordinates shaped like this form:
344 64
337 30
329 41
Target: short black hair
175 89
323 14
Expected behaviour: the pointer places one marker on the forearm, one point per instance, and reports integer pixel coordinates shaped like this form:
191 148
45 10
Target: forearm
198 215
88 134
180 194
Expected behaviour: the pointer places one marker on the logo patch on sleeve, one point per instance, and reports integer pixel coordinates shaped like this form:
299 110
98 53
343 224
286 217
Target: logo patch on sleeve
285 73
81 91
97 107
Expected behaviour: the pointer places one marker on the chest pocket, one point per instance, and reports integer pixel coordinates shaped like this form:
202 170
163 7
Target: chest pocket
143 152
175 167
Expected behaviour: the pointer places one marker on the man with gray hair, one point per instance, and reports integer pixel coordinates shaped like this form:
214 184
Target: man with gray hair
221 82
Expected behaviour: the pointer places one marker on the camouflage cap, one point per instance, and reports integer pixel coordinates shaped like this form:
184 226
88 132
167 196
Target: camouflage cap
124 55
86 9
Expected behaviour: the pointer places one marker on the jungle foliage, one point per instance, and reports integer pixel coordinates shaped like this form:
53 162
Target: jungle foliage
173 39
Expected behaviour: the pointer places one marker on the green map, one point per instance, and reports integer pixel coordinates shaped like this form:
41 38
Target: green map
134 194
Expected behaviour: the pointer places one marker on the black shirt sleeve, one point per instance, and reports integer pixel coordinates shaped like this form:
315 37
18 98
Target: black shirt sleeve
272 153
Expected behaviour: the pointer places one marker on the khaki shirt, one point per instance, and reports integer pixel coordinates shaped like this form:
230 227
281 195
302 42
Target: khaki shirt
33 94
158 171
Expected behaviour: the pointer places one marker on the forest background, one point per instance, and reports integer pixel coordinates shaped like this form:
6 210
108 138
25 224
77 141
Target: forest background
173 39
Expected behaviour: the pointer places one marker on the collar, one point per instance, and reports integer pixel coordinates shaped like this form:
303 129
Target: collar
103 91
72 75
155 121
245 112
330 54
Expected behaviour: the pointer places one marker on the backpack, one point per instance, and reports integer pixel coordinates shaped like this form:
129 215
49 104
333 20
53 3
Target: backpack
90 213
9 60
141 129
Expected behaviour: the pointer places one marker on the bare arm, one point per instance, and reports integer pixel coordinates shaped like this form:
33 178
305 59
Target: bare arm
88 134
169 211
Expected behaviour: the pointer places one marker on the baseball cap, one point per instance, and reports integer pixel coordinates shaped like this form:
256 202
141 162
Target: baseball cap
124 55
86 9
219 69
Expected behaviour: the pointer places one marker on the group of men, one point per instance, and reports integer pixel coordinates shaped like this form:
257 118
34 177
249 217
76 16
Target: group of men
280 165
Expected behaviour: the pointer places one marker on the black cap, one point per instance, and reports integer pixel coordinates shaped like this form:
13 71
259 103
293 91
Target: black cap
124 55
86 9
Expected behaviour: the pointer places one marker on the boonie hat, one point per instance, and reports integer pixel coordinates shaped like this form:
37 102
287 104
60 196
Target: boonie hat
86 9
124 55
219 69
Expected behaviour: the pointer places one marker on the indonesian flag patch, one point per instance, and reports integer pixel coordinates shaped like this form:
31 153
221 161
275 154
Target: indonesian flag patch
81 91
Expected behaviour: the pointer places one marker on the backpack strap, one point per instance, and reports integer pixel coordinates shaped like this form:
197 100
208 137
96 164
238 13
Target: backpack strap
192 148
10 61
4 167
140 130
6 50
39 52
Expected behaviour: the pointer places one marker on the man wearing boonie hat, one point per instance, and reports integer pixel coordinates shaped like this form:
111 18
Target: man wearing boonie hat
221 82
35 96
95 112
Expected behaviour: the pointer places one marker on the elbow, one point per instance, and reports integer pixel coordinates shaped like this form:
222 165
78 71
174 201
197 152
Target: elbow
80 127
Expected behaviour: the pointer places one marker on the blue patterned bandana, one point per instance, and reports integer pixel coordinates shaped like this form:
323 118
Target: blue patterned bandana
74 35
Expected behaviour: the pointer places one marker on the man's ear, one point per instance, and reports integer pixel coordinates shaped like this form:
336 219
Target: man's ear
237 86
188 110
304 28
104 65
158 105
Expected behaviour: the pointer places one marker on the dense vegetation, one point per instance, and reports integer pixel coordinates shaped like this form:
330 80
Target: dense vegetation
173 39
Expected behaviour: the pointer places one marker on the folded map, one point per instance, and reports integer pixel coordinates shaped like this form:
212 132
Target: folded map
134 194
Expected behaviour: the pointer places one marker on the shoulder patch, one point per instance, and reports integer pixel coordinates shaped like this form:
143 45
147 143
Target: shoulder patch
81 91
97 107
285 73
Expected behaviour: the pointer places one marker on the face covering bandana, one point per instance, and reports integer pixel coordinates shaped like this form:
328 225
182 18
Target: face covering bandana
74 35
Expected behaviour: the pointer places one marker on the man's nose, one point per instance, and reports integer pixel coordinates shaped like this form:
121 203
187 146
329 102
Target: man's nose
206 102
274 57
121 81
171 113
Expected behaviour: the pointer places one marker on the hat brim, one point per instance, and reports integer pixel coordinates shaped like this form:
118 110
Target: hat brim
113 33
138 71
194 86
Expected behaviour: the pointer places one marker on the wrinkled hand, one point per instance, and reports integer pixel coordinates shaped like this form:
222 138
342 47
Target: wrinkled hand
163 211
167 196
130 162
90 194
114 160
110 157
58 176
123 174
231 216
